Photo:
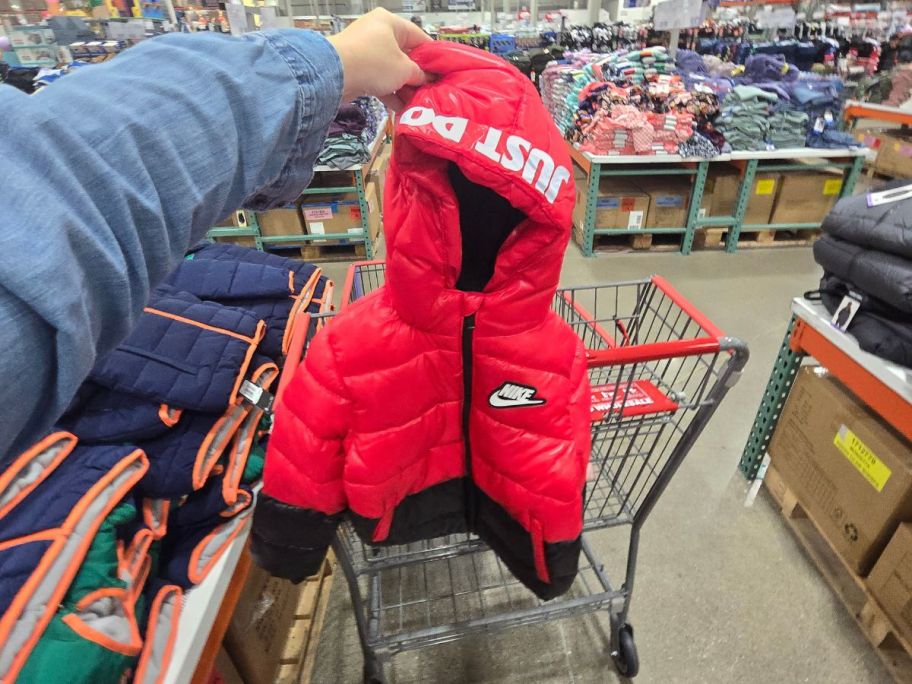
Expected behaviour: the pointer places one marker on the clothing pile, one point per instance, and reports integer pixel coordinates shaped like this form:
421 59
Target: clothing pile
744 118
787 128
821 99
634 66
868 251
766 103
150 473
901 92
351 133
561 84
655 118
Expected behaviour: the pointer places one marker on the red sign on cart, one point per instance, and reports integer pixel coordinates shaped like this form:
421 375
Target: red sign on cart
637 398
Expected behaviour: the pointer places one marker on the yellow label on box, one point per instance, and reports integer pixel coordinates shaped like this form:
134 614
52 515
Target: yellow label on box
832 186
865 461
766 186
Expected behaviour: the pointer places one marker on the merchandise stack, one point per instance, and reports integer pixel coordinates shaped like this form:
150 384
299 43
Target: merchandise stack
744 118
634 66
867 251
150 474
351 133
642 102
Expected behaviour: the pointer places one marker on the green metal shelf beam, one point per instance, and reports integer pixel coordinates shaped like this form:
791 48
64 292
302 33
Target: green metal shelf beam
278 239
709 221
646 172
779 226
230 231
636 231
334 190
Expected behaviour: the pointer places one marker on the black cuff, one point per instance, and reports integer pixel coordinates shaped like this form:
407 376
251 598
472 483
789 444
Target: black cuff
288 541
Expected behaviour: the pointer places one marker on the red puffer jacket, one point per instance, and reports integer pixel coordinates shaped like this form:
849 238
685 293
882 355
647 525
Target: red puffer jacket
452 398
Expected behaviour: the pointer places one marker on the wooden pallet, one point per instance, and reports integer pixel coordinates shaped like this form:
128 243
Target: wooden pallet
714 238
334 251
778 238
892 648
300 652
637 242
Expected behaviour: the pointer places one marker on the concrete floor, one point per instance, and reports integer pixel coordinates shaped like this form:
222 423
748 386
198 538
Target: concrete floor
723 593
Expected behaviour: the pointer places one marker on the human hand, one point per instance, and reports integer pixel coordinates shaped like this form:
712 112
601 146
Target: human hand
374 53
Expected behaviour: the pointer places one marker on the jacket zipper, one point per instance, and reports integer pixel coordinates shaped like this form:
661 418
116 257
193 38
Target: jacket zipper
468 330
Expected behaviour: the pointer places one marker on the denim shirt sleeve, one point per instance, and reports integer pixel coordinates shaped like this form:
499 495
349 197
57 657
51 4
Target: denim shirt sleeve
111 173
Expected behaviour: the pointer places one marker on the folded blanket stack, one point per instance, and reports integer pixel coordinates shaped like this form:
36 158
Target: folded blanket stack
634 66
787 128
868 251
745 117
654 118
351 133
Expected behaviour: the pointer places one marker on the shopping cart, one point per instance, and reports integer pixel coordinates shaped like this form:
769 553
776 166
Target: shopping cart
658 369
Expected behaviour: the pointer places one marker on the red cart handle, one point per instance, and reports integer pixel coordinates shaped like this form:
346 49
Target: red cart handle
698 316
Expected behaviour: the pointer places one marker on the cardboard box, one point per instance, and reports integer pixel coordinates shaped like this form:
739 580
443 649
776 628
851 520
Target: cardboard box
895 156
277 222
669 199
850 471
40 56
890 582
259 627
620 204
872 139
340 213
239 240
725 185
374 219
32 37
806 196
377 174
236 219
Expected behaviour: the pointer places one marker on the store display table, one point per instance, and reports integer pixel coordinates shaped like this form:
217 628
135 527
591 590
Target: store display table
596 167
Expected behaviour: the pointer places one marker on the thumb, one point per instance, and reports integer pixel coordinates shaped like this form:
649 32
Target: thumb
414 76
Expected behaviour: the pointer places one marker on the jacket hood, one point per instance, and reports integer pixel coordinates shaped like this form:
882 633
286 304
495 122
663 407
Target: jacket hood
479 195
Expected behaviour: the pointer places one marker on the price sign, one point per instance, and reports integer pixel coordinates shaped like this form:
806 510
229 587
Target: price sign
677 14
781 17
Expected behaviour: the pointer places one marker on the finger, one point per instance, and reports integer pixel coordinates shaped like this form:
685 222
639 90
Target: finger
393 102
408 35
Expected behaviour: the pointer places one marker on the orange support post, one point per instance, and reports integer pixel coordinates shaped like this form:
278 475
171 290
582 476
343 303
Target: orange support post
881 399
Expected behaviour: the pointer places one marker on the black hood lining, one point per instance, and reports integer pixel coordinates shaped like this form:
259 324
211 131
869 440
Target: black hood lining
486 220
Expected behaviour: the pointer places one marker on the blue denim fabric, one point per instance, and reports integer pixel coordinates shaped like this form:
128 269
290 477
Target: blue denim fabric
108 175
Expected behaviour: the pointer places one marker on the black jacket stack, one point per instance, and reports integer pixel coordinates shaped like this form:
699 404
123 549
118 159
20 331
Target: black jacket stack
868 250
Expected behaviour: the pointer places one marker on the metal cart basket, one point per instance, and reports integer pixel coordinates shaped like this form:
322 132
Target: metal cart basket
658 370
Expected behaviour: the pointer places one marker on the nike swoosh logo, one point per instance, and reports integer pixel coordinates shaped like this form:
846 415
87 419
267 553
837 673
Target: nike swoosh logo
498 401
514 395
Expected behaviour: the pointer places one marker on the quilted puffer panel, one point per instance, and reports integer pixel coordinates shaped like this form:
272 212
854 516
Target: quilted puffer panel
108 416
199 531
53 500
226 252
267 287
181 459
16 565
229 280
184 352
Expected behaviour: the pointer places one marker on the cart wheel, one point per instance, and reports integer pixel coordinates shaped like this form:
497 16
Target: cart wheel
625 658
373 673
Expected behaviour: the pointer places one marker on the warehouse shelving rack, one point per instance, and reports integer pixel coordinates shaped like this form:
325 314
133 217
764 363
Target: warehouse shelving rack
885 387
596 167
359 175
